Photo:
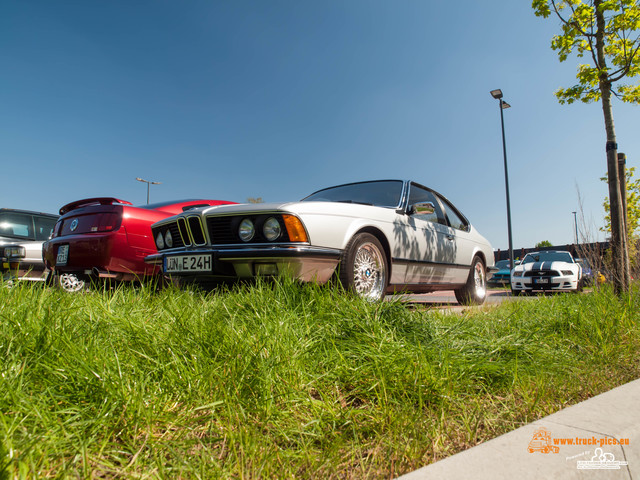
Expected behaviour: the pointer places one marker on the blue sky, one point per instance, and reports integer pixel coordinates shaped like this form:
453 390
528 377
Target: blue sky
276 99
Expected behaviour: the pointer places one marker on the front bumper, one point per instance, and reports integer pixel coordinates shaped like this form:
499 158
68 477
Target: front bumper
498 280
303 262
15 269
557 283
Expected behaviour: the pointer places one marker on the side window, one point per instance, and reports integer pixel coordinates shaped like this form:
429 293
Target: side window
420 195
16 225
454 219
44 227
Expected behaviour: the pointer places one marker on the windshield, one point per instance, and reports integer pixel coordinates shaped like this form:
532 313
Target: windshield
25 226
383 193
160 205
548 257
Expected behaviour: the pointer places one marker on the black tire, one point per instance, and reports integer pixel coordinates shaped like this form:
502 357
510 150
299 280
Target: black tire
474 291
516 293
363 267
50 281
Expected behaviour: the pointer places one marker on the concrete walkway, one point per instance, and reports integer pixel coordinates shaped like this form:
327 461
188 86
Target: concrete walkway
595 423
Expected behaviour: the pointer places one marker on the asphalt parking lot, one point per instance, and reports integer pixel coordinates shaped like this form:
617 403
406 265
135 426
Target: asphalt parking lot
446 299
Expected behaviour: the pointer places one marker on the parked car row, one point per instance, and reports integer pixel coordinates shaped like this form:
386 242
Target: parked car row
373 237
106 237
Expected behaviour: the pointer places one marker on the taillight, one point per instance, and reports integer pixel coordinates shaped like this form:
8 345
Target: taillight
56 229
105 222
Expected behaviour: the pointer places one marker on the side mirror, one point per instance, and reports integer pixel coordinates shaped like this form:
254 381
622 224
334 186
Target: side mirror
422 208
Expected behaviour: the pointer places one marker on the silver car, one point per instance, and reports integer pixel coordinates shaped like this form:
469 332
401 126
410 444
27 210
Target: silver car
22 234
376 237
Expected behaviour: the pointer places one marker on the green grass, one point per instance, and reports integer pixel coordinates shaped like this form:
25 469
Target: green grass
286 380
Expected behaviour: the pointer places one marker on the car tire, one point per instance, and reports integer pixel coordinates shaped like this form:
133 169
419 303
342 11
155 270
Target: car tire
474 291
363 267
516 293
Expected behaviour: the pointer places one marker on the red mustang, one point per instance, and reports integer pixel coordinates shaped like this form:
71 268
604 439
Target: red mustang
107 238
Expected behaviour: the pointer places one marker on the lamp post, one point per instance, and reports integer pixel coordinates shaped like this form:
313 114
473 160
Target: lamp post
575 223
148 183
497 94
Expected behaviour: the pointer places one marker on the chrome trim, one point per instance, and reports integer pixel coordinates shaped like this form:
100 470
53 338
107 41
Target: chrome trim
189 241
261 251
304 262
204 232
248 213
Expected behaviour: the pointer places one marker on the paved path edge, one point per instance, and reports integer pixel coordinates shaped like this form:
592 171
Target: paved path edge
611 415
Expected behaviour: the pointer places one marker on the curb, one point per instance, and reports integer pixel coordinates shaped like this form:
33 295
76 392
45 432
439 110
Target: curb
612 415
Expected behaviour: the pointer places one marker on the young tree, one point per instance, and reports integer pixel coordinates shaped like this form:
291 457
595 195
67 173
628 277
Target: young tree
632 217
633 205
543 243
605 32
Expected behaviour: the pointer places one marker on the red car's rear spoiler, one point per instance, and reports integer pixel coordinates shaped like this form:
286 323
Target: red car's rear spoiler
91 201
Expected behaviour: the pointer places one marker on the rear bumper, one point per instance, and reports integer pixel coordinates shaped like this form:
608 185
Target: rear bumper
303 262
99 255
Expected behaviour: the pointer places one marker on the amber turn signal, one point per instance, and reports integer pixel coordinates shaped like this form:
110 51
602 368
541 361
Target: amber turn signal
295 229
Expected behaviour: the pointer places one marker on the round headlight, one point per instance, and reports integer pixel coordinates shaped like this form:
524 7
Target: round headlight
159 241
246 231
168 239
271 229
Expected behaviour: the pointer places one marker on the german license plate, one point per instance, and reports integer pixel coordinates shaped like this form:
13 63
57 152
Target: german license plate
188 263
63 255
540 280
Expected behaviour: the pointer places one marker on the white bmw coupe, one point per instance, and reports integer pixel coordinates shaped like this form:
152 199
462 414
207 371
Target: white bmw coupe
374 237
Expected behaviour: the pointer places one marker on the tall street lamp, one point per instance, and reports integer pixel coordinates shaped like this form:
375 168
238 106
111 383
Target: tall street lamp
497 94
148 183
575 223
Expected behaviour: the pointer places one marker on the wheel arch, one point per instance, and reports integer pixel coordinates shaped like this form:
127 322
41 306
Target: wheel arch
383 241
479 253
482 256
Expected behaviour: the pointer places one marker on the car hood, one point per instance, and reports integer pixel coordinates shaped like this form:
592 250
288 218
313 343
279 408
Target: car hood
543 266
241 208
333 208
